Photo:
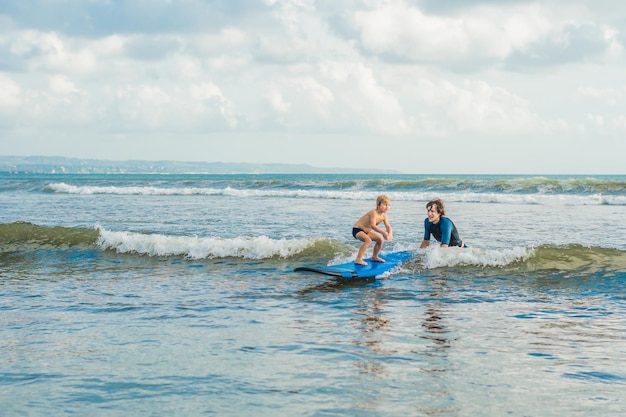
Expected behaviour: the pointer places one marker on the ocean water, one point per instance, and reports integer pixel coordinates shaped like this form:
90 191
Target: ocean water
154 295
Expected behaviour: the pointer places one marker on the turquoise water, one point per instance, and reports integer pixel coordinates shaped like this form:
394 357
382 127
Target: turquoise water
175 295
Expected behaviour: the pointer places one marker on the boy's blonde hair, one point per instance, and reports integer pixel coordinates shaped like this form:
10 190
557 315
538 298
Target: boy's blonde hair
382 199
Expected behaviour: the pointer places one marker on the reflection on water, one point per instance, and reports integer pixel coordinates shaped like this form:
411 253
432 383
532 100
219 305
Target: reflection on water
433 323
335 285
372 326
434 354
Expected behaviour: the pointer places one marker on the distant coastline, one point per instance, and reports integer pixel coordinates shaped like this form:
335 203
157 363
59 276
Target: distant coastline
63 165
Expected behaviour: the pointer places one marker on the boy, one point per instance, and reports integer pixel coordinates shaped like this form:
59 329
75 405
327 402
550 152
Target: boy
366 229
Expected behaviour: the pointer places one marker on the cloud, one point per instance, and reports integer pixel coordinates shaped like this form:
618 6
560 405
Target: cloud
570 43
610 96
338 96
596 120
477 106
152 48
619 124
487 34
61 85
151 107
46 51
10 94
397 30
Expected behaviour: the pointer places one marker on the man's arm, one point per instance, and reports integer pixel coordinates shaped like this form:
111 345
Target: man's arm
426 240
446 232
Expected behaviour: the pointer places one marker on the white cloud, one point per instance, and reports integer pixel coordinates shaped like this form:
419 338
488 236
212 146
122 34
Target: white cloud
610 96
619 124
596 120
372 104
205 91
477 106
48 51
152 107
398 29
277 101
224 41
514 35
61 85
109 46
10 94
339 96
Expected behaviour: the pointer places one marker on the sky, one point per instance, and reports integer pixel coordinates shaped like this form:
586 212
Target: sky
421 86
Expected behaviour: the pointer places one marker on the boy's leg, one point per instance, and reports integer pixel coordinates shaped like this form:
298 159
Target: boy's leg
362 236
377 247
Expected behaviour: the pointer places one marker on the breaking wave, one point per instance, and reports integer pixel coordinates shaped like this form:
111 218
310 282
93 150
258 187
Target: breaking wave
22 236
399 191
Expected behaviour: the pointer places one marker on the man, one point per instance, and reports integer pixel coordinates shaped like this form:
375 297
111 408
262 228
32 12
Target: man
442 228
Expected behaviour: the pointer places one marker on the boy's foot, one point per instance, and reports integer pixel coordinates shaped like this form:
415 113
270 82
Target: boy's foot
377 259
360 262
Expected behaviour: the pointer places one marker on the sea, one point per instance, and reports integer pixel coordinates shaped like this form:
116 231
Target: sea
175 295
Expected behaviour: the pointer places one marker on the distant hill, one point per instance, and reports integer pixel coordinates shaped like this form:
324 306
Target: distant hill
62 165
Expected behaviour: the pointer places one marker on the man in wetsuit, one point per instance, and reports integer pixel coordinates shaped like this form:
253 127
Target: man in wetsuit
442 228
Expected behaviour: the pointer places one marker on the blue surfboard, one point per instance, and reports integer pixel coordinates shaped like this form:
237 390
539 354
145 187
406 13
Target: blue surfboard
352 270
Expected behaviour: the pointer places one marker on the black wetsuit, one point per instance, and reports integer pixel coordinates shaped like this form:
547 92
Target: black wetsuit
444 231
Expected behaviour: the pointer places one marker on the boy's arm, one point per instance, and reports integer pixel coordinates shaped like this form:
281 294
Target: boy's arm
374 224
389 229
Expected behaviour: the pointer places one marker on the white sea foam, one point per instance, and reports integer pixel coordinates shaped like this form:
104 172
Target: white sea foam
192 247
460 196
437 257
85 189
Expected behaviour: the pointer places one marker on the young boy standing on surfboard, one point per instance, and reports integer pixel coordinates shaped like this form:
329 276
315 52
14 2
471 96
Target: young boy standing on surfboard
366 229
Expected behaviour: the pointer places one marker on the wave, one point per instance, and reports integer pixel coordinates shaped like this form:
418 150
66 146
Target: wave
612 185
259 247
437 257
541 259
22 236
514 184
346 194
